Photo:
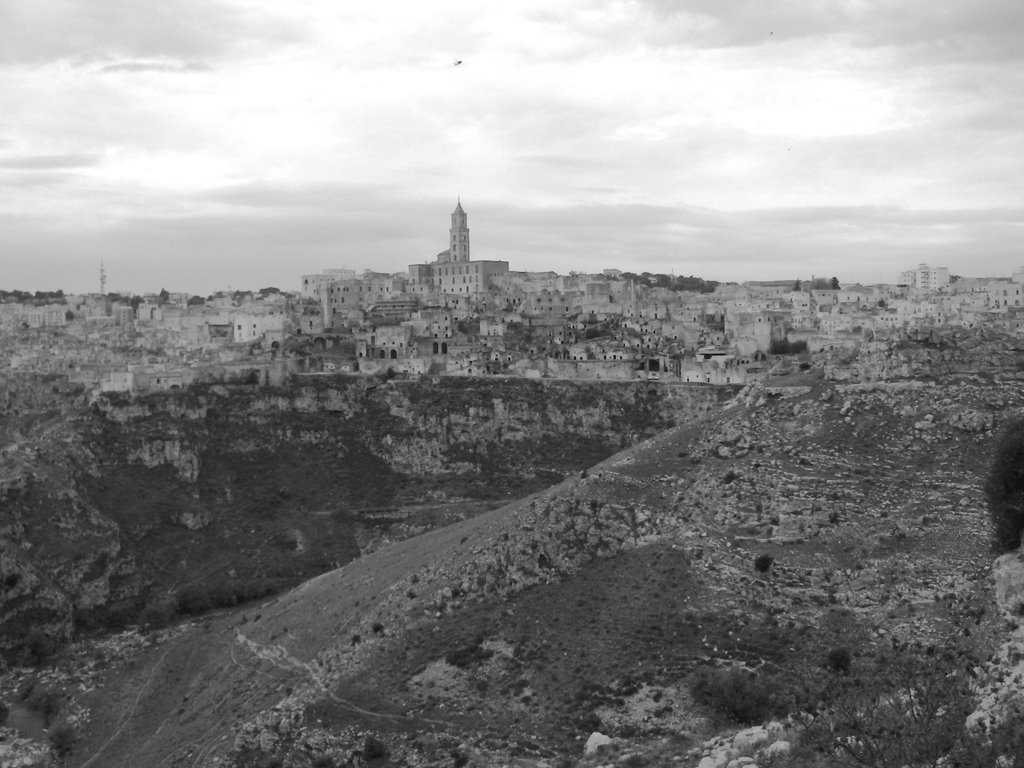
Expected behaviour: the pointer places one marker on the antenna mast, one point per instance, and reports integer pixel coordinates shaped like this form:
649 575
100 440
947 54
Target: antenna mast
103 279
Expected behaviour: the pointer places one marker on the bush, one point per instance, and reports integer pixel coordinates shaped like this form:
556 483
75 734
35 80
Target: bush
40 647
62 739
787 347
734 693
907 707
468 654
374 748
157 614
839 660
45 701
763 562
1004 487
199 598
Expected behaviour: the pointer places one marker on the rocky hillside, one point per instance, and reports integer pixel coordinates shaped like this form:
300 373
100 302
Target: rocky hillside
131 510
827 515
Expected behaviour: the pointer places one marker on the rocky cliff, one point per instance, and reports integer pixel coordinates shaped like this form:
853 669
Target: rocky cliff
136 502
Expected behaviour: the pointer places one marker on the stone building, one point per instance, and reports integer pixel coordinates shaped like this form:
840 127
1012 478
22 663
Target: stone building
454 272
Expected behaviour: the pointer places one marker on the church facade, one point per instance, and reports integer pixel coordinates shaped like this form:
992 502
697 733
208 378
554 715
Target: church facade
454 271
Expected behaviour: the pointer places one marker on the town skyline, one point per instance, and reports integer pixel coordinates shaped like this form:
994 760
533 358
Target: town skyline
220 143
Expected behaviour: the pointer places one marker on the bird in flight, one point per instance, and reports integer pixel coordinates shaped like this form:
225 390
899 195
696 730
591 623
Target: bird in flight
457 62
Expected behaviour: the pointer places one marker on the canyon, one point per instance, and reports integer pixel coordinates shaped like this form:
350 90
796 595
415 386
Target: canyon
119 504
487 572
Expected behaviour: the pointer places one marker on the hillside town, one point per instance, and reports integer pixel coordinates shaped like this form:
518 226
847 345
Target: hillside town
456 315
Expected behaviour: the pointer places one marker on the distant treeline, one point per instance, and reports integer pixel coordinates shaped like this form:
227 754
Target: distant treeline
672 282
27 297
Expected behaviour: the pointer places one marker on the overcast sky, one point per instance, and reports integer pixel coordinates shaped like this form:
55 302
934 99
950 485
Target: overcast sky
201 144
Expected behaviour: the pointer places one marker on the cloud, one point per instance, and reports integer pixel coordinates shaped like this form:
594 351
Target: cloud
954 30
48 162
156 66
90 30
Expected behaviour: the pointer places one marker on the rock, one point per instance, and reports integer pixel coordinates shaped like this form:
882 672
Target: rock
195 521
595 742
1008 573
971 420
751 738
775 750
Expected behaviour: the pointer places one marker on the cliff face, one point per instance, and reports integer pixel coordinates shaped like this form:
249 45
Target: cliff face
133 502
929 353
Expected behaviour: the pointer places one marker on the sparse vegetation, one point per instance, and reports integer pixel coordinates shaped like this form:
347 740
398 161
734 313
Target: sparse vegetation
200 598
62 739
787 347
735 693
40 647
45 701
1004 486
839 659
157 614
907 708
374 748
468 655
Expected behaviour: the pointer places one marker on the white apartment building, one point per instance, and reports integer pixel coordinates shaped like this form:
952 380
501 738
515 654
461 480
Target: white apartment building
925 278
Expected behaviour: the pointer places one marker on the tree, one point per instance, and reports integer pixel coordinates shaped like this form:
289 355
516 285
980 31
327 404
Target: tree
835 284
1004 486
797 286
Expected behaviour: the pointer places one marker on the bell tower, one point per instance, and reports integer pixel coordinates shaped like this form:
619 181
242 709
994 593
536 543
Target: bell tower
459 235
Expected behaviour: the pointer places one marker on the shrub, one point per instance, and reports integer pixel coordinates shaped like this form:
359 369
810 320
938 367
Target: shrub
468 655
787 347
62 738
157 614
374 748
734 693
45 701
763 562
1004 487
999 745
907 708
195 599
40 647
839 660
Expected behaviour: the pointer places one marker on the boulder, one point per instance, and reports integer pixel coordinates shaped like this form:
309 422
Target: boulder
750 738
1008 574
595 742
776 750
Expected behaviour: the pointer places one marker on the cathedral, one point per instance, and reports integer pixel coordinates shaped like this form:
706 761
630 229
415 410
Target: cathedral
454 272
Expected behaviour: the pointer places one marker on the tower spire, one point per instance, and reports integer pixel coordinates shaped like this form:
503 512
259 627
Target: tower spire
459 241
